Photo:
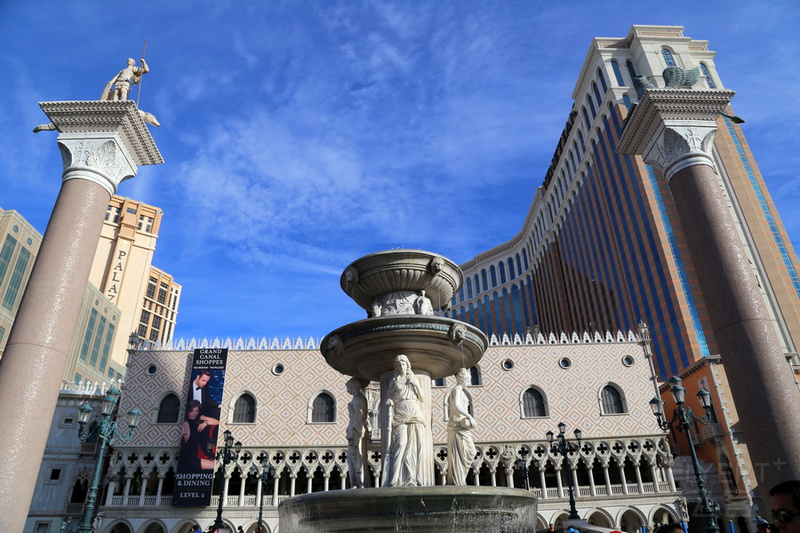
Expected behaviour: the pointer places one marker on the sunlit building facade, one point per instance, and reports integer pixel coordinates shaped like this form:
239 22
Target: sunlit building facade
601 246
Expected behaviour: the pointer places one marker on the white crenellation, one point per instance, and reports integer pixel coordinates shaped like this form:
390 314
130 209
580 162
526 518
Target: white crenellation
312 343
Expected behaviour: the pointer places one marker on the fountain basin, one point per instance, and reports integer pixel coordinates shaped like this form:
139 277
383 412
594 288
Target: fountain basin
367 349
470 509
375 275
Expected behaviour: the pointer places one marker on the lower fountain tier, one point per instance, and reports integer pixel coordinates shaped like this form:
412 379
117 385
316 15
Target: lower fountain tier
439 509
367 349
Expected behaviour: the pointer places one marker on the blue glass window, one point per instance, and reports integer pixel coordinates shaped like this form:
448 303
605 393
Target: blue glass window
602 80
668 59
631 70
617 73
707 74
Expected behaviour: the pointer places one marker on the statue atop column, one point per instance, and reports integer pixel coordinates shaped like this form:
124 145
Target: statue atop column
409 456
130 75
460 446
356 433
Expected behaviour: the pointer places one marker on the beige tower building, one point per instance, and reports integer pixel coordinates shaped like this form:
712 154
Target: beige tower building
125 294
146 296
19 244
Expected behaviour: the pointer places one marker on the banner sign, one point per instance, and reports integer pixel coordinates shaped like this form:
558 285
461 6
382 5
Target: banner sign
200 429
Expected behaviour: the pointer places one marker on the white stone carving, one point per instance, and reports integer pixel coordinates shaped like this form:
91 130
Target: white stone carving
460 446
101 159
356 432
409 456
677 147
130 75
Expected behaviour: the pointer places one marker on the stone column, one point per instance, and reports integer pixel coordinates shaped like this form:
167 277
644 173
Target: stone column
674 129
101 144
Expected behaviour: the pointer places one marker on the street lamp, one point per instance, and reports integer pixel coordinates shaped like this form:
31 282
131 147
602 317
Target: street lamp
267 471
684 416
563 446
107 435
226 456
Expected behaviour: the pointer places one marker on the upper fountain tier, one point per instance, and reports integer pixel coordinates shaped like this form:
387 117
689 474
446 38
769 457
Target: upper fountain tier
400 289
388 283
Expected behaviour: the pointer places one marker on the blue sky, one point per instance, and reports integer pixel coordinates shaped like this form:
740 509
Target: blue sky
301 135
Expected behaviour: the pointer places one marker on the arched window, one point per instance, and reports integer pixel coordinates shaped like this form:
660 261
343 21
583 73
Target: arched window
475 376
591 105
502 272
477 285
597 94
244 410
602 78
627 101
533 404
483 278
511 271
617 73
631 70
323 409
668 59
707 74
469 288
168 409
611 401
493 275
586 117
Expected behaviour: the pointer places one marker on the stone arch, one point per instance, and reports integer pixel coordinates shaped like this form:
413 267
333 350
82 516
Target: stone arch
599 517
168 405
120 525
661 514
522 395
310 409
185 526
232 404
631 520
153 526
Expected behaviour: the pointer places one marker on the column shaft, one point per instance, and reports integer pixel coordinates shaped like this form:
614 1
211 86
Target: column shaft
745 334
36 354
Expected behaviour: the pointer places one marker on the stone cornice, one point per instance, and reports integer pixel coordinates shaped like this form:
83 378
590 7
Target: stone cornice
96 116
670 105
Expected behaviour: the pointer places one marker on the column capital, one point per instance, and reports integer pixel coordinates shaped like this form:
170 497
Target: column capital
674 128
99 158
102 141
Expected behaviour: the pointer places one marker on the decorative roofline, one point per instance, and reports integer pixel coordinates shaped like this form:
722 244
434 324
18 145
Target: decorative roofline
313 343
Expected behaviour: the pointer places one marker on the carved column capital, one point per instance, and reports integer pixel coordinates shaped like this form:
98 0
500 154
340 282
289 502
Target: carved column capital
681 145
99 158
673 129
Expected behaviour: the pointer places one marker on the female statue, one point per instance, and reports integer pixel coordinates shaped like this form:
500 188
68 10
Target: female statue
409 458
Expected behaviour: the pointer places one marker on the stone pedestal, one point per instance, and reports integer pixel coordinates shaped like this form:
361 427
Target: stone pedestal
102 144
673 129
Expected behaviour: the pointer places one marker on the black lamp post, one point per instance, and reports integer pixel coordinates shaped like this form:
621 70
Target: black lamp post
267 471
228 454
684 416
563 446
106 431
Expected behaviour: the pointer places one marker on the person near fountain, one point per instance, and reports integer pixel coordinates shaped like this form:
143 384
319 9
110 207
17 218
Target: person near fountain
356 443
409 459
460 447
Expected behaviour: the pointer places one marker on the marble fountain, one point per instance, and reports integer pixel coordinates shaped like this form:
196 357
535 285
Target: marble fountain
403 345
